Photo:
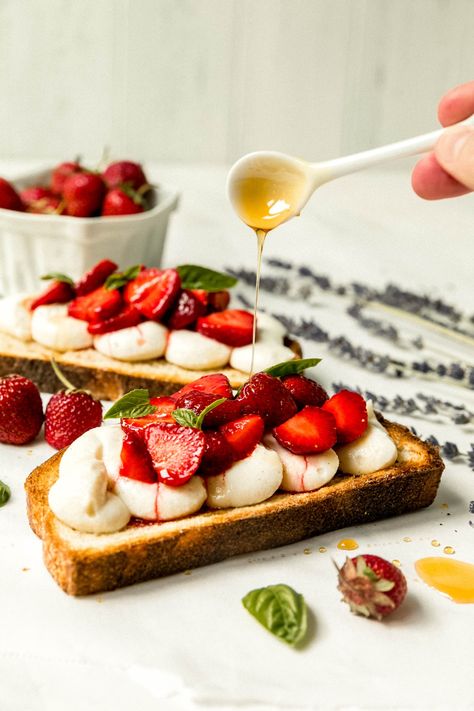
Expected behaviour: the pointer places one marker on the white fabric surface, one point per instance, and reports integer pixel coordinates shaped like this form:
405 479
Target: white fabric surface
186 642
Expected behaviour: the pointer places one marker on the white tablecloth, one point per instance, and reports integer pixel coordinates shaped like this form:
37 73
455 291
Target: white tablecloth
186 642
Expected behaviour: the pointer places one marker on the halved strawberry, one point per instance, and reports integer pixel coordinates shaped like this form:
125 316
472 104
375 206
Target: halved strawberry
218 300
186 310
135 460
162 296
310 431
95 277
216 384
234 327
164 408
305 391
218 454
243 434
138 288
57 292
127 317
99 305
266 396
350 412
176 451
197 401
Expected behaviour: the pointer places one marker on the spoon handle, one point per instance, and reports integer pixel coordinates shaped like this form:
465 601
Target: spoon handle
411 146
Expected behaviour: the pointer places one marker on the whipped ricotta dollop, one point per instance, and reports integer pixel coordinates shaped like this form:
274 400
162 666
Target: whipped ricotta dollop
269 328
15 316
248 481
374 450
267 353
135 343
304 473
160 502
52 327
194 351
81 496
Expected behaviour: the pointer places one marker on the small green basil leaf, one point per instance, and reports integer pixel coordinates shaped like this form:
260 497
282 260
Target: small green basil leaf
185 417
136 403
281 610
195 277
119 279
207 409
57 276
4 493
292 367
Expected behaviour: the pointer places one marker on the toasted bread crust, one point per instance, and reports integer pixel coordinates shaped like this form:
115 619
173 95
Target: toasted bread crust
105 378
83 563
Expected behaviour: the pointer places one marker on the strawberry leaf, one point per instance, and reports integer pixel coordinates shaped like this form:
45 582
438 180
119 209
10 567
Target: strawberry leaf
195 277
119 279
281 610
136 403
57 276
291 367
4 493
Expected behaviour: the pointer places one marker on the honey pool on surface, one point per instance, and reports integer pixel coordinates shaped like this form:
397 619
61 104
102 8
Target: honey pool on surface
454 578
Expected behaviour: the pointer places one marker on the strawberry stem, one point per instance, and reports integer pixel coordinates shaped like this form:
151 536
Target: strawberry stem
62 378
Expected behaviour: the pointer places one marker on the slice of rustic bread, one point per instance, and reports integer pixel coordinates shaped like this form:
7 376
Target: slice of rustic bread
105 378
85 563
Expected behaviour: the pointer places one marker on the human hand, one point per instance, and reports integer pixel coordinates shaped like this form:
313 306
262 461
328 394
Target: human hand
449 170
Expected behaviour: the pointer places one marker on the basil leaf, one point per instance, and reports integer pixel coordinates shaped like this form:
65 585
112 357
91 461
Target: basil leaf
185 417
57 276
291 367
119 279
136 403
195 277
281 610
189 418
4 493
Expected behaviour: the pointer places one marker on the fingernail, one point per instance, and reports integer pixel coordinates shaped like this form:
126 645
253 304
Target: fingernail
452 142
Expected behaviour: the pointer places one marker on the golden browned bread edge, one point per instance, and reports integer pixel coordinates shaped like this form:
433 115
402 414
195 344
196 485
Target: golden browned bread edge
157 550
105 378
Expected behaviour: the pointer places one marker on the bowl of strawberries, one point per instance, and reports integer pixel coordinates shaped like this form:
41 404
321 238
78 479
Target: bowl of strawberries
72 215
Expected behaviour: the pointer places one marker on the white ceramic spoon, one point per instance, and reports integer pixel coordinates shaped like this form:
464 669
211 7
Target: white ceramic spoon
267 188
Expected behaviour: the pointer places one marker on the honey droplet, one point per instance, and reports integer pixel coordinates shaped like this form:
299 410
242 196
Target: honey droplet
397 563
451 577
435 543
407 539
449 550
307 551
444 506
188 572
322 549
347 544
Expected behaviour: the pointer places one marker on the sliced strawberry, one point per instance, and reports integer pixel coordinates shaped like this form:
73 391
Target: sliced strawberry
202 295
176 451
162 297
57 292
218 454
197 401
138 289
233 327
310 431
266 396
95 277
186 310
164 408
305 391
243 434
135 460
129 316
350 412
216 384
218 300
100 305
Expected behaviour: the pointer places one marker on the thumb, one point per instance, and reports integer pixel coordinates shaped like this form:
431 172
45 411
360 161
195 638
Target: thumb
454 151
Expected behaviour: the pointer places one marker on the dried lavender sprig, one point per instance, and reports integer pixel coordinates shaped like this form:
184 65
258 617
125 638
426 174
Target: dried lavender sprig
420 405
382 329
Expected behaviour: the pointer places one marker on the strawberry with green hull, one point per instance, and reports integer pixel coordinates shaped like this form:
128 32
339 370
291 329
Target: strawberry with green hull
61 173
21 410
371 586
83 194
124 172
122 201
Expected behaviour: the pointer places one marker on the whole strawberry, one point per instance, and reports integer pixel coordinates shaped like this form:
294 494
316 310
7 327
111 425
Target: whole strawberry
69 414
122 201
83 194
124 171
371 586
21 410
9 198
61 173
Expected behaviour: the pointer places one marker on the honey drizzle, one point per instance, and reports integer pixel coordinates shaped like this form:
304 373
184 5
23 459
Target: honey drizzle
261 234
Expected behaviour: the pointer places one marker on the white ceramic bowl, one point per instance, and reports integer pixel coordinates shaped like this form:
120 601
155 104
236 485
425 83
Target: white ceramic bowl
32 245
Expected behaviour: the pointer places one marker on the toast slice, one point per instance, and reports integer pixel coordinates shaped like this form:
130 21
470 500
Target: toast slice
85 563
106 378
